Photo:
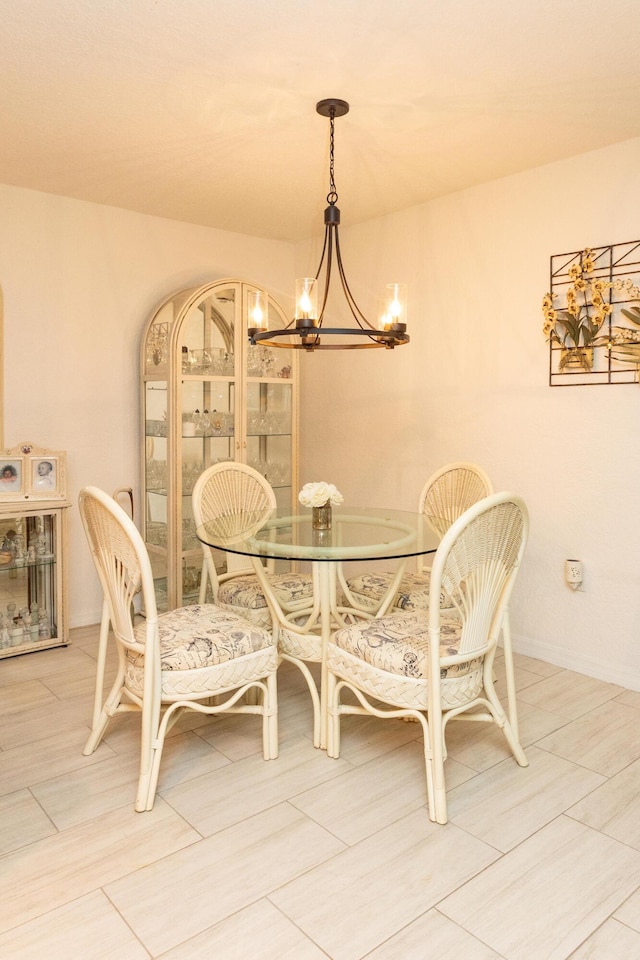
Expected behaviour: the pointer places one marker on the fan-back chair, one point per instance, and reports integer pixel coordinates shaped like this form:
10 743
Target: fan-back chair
198 657
437 664
445 496
235 498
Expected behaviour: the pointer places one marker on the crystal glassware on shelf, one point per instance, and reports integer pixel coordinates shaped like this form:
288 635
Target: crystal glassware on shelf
215 423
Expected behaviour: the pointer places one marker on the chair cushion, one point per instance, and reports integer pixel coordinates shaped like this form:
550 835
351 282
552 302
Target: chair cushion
399 644
245 591
201 636
413 592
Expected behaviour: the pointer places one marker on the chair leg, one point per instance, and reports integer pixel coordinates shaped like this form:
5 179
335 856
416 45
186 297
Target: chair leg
151 743
428 763
100 717
97 731
515 745
101 661
509 673
109 708
435 733
270 718
151 781
333 716
504 723
145 797
313 690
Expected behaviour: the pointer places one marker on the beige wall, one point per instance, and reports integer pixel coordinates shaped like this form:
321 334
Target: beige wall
79 282
473 385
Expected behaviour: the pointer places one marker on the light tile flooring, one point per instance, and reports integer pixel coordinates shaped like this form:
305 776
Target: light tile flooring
305 857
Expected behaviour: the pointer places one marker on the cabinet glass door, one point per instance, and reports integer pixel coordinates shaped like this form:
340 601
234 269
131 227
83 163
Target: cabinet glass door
207 412
269 426
28 594
156 481
269 435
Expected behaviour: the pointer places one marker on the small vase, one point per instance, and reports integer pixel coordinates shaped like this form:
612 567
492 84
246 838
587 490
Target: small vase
321 517
322 538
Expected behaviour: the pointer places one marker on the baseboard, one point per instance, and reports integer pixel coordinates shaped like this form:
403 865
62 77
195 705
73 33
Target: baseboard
551 653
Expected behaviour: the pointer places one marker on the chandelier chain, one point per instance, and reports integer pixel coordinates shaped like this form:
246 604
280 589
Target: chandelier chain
332 196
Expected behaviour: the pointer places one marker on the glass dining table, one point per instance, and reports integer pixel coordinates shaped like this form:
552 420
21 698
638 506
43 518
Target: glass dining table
356 534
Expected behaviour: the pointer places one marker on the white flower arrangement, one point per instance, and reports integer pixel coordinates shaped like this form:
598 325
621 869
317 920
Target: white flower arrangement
317 494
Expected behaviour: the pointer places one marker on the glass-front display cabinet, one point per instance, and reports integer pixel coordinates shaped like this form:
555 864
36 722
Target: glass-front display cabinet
209 396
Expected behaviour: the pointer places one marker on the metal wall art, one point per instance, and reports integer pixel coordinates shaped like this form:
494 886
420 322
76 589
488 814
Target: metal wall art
592 316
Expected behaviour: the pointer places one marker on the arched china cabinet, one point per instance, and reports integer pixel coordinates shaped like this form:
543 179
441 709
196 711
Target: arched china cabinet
208 396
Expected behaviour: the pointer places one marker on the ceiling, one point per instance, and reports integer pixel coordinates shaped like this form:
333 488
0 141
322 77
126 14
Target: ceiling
204 110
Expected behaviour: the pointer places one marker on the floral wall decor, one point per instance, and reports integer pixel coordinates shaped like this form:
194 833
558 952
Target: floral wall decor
590 319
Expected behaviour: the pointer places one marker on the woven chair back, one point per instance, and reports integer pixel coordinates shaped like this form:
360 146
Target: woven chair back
475 567
452 490
120 557
234 500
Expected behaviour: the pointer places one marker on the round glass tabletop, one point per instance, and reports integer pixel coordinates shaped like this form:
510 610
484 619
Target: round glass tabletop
356 533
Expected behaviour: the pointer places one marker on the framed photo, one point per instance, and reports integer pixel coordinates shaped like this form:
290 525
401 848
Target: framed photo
29 472
11 477
44 475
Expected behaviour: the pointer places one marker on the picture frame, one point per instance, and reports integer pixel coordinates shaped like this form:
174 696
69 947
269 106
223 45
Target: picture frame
44 475
11 476
32 472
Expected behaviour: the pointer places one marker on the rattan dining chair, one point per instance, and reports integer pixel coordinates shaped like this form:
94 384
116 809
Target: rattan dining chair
445 496
199 657
235 497
437 665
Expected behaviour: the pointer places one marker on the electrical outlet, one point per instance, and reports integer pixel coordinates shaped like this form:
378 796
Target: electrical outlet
573 573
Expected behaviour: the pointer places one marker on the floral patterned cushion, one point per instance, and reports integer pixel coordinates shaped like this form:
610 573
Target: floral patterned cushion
245 591
202 636
413 592
399 644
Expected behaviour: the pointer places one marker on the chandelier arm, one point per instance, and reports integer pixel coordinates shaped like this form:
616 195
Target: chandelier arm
324 250
356 312
327 273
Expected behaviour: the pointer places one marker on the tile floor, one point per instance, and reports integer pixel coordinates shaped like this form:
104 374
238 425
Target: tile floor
305 857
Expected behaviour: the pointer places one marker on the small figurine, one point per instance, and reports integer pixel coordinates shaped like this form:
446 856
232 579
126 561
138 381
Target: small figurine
20 551
44 631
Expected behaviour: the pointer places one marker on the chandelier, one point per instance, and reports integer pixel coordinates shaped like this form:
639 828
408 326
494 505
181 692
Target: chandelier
304 331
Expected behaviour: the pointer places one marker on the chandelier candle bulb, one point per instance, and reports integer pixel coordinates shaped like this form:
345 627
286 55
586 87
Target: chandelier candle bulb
384 321
258 311
396 299
306 301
